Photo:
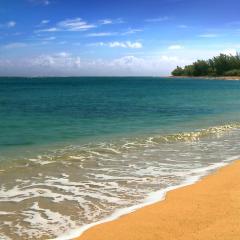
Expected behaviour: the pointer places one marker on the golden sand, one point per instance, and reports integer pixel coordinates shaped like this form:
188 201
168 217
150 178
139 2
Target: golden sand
207 210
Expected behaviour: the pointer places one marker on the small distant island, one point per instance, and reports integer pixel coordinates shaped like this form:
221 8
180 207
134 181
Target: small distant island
220 66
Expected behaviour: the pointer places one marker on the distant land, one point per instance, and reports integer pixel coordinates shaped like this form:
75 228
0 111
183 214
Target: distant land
235 78
219 67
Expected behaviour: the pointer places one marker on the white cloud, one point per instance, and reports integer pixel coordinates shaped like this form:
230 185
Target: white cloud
230 51
131 31
49 38
58 60
53 29
65 64
106 34
116 44
59 64
106 21
102 34
134 66
175 47
160 19
11 24
97 44
208 35
127 44
169 58
45 21
76 24
128 61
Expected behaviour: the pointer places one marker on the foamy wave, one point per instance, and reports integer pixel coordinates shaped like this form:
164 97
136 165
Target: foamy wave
123 146
78 186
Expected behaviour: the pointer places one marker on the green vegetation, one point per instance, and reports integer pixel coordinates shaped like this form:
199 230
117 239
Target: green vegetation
222 65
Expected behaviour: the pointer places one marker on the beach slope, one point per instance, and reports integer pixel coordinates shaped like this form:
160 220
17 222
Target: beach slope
209 209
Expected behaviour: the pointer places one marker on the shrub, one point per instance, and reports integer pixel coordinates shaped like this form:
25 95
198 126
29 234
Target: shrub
221 65
234 72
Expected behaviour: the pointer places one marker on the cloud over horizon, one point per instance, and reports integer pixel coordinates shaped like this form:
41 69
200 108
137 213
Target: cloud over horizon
113 38
68 64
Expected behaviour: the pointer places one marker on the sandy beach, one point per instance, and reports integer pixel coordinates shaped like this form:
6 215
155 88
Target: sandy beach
209 209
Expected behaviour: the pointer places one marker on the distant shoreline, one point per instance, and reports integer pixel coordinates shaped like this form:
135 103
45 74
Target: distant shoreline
166 77
209 77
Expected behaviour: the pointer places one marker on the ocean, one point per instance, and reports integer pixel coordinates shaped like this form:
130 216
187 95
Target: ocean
76 151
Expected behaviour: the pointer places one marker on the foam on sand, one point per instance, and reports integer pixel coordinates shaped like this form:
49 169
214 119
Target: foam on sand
206 210
151 199
89 184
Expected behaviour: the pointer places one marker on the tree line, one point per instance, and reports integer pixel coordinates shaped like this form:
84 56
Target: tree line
222 65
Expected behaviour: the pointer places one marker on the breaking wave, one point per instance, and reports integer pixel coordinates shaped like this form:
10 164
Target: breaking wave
48 195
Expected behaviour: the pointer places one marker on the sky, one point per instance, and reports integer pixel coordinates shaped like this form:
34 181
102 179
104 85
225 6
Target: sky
112 37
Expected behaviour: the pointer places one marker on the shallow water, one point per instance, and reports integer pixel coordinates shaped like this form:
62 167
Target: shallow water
75 150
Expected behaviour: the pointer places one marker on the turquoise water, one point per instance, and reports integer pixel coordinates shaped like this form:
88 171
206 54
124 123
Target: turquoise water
35 111
75 150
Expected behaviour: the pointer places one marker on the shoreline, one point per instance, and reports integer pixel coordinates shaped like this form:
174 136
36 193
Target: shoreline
151 199
149 215
228 78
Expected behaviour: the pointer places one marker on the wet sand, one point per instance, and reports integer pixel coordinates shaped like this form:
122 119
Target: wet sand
207 210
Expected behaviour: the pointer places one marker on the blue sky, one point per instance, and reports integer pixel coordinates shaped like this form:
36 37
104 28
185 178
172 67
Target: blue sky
127 37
